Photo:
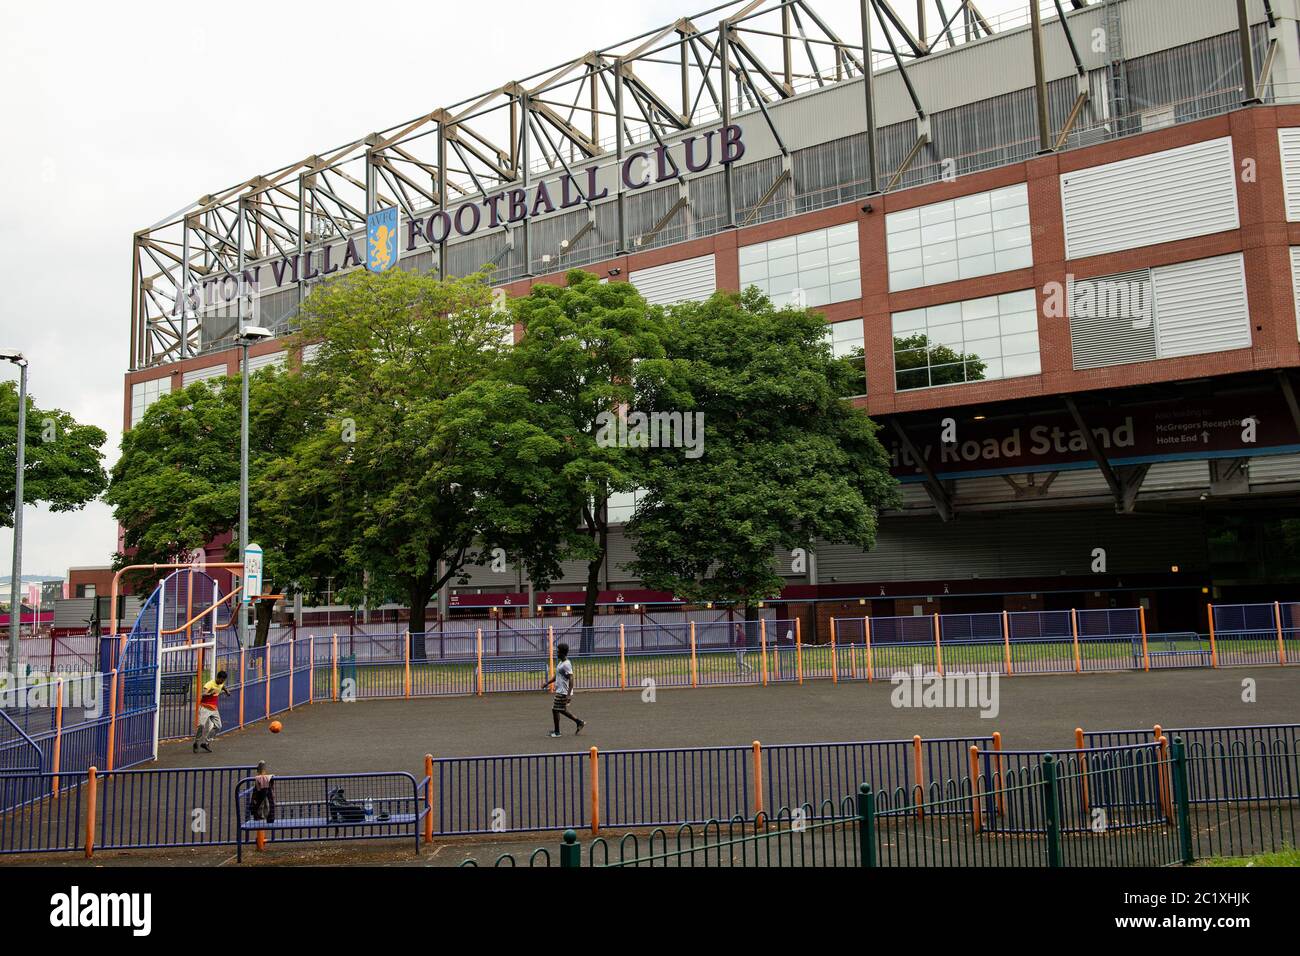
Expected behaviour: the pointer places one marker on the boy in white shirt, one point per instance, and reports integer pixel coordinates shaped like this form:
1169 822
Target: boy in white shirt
563 681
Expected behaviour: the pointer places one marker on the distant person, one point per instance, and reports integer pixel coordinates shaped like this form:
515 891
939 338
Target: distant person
209 715
261 802
740 649
564 683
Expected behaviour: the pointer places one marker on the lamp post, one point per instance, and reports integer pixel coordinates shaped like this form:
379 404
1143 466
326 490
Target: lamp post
15 586
247 336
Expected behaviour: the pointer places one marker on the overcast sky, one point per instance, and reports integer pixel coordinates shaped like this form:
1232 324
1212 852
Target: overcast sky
108 129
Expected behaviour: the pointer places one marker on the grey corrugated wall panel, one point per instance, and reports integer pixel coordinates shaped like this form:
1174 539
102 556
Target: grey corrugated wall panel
913 495
1008 544
782 559
1077 483
73 612
1177 476
1272 469
549 232
1108 328
620 553
1150 25
482 576
1199 76
420 261
571 573
274 308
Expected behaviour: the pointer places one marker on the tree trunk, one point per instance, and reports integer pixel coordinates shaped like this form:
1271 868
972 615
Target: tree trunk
751 625
589 604
419 592
263 610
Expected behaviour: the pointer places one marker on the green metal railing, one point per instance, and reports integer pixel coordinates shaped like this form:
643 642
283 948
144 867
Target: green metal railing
1083 811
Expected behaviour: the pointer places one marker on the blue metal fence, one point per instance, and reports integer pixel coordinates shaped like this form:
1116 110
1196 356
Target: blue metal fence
315 808
1109 787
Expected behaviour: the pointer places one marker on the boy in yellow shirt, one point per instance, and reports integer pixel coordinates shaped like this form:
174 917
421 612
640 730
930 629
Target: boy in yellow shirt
209 714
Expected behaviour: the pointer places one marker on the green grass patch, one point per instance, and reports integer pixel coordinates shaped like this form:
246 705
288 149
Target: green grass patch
1287 856
387 678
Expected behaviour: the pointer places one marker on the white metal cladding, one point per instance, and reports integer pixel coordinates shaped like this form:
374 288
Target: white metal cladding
1111 320
1201 306
1295 283
1288 140
690 280
269 360
1191 475
1189 308
1159 197
1274 469
203 374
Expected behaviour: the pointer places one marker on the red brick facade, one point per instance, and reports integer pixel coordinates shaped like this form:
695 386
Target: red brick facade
1263 238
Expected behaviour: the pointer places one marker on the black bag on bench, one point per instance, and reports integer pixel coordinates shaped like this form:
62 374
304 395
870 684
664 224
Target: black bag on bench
343 810
261 804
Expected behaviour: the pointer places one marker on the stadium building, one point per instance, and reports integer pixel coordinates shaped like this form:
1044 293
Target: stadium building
1068 259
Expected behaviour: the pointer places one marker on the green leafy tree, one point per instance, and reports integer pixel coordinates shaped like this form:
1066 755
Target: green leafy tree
589 348
64 467
425 459
786 462
175 487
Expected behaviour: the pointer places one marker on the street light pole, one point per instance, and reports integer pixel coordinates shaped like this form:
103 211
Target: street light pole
243 488
248 334
15 585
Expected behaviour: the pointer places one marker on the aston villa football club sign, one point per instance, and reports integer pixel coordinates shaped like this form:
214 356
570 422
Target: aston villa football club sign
379 251
381 239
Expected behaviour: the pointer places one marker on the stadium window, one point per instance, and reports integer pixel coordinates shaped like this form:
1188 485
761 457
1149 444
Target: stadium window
845 340
976 340
960 238
621 505
144 394
824 264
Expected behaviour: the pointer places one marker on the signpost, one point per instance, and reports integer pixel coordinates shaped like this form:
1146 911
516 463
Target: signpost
252 572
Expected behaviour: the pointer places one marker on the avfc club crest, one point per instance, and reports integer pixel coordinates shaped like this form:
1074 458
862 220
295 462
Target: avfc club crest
381 239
